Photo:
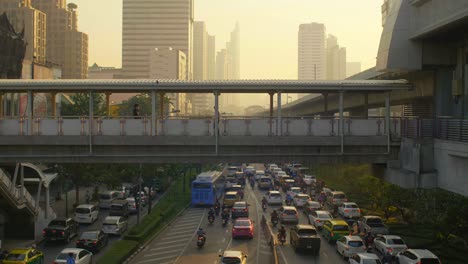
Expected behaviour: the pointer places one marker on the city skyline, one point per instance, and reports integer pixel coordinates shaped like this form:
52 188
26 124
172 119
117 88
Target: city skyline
265 30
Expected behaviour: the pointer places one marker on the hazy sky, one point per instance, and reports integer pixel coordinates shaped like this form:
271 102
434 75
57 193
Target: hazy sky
268 30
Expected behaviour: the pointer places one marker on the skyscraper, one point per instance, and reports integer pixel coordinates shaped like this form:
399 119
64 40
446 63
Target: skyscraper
233 51
211 58
312 58
147 25
336 59
200 48
66 46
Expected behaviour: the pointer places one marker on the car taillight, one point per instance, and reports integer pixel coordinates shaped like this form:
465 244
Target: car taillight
331 234
333 200
53 231
346 211
318 221
246 209
390 250
233 229
345 200
62 233
283 214
43 232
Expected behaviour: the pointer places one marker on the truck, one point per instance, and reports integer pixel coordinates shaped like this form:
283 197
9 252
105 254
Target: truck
61 229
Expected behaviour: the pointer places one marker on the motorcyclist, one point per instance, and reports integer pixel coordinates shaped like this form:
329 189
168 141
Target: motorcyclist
211 213
274 216
201 233
264 202
216 208
289 198
225 215
369 239
282 232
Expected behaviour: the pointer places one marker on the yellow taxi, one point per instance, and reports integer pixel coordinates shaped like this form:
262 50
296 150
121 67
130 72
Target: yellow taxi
230 198
24 256
335 229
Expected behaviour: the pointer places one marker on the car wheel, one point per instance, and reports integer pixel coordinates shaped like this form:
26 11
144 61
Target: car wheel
343 254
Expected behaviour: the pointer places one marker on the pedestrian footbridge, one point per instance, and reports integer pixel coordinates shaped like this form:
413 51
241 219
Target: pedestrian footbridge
157 137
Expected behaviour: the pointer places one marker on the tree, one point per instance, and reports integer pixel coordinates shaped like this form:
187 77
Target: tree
144 100
80 105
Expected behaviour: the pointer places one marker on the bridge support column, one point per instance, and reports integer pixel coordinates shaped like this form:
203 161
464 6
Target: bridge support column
91 121
271 104
387 119
30 111
361 111
216 119
53 97
279 123
154 120
341 122
108 103
161 104
325 102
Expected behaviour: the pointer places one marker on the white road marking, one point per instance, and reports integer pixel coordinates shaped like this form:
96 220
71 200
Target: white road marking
156 259
181 232
175 241
162 253
190 239
187 224
171 237
282 255
159 248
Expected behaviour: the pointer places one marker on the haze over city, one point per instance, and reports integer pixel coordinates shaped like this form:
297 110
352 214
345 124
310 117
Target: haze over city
268 30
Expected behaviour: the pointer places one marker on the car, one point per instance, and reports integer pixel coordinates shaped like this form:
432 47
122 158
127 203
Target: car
259 174
24 256
86 213
240 209
61 229
115 225
264 182
317 218
311 206
231 173
93 241
132 207
309 179
280 174
270 168
305 237
141 197
273 197
230 198
236 188
293 191
390 244
249 171
416 256
119 207
230 257
334 229
288 214
81 256
107 197
336 198
243 227
274 172
347 246
364 258
301 199
372 223
349 210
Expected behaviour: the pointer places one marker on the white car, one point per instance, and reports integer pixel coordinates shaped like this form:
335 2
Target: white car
81 256
309 179
259 174
132 208
317 218
293 191
229 257
301 199
390 244
414 256
349 210
114 225
364 258
273 197
249 170
275 171
350 245
86 213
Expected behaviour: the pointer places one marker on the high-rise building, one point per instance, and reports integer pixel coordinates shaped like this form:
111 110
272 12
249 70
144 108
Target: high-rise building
211 58
336 59
200 49
312 58
66 46
352 68
147 25
222 65
22 15
171 64
233 52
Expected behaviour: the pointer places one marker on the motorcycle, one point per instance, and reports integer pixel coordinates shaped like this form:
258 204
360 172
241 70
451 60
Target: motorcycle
264 206
224 222
201 241
216 210
274 221
211 219
288 202
282 239
252 184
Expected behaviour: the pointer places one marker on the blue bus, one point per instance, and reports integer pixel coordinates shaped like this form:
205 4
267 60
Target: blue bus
204 188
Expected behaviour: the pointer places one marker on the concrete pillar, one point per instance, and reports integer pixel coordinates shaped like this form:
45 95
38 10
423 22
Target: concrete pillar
341 121
366 105
1 104
387 119
216 121
4 102
279 125
53 100
91 121
161 104
154 120
30 111
47 202
271 104
38 196
108 94
325 103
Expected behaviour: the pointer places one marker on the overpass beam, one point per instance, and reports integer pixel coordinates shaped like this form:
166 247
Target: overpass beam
154 120
341 121
279 123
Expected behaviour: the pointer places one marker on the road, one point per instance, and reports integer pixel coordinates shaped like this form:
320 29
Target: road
177 244
52 249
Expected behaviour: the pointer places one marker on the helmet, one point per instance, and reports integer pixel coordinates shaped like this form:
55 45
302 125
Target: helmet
200 229
282 226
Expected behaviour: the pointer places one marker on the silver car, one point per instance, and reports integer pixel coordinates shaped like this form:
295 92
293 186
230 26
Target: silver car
390 244
414 256
81 256
114 225
288 214
350 245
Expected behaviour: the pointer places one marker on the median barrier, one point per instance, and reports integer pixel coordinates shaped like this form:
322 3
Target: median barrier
270 238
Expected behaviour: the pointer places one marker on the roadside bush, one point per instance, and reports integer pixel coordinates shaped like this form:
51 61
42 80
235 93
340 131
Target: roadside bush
119 251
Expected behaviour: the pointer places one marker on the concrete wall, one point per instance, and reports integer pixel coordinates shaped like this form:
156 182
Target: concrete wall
451 162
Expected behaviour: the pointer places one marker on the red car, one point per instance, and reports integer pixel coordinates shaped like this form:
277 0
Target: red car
243 227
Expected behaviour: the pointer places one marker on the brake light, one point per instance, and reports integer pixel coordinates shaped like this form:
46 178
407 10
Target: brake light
390 250
62 233
346 211
331 234
318 221
233 229
43 232
283 214
245 209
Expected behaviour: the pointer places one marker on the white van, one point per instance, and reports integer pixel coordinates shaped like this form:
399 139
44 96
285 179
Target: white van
86 213
106 198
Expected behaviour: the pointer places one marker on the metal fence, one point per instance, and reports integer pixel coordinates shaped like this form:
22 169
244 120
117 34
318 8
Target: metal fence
454 129
447 128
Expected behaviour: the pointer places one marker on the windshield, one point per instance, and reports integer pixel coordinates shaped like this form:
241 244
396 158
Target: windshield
242 223
229 196
324 216
240 206
89 235
16 257
275 195
231 260
351 206
340 228
308 232
82 210
265 180
396 241
57 223
104 196
314 205
116 207
110 221
202 185
303 197
355 243
64 256
339 196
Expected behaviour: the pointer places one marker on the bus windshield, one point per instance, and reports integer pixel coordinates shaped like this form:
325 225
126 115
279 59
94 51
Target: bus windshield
201 185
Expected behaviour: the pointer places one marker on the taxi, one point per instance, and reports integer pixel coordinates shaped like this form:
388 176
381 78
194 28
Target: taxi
24 256
230 198
334 229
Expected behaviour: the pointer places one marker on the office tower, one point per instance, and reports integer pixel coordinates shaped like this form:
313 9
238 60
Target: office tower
222 65
147 25
200 48
66 46
211 57
336 59
312 59
233 51
352 68
170 64
23 16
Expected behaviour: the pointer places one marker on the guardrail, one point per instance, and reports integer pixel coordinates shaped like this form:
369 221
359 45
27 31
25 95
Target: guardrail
446 128
455 129
18 194
270 238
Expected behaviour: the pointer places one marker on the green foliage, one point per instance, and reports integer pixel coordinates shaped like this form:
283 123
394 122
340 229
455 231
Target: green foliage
144 100
119 251
80 105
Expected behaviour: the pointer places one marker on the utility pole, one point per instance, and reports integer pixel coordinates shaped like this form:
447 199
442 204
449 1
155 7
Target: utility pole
139 195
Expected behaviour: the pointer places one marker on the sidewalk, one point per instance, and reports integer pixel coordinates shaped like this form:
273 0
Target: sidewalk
60 206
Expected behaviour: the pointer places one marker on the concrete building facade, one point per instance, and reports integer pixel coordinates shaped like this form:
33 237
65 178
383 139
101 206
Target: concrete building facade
312 54
336 59
66 46
147 25
211 57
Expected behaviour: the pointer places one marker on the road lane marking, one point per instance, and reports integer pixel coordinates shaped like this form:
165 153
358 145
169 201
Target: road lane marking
174 241
188 224
282 255
190 239
181 232
156 259
162 253
158 248
169 238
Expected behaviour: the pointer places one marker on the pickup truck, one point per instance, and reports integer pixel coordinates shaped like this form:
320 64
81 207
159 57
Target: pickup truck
305 237
372 223
61 229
